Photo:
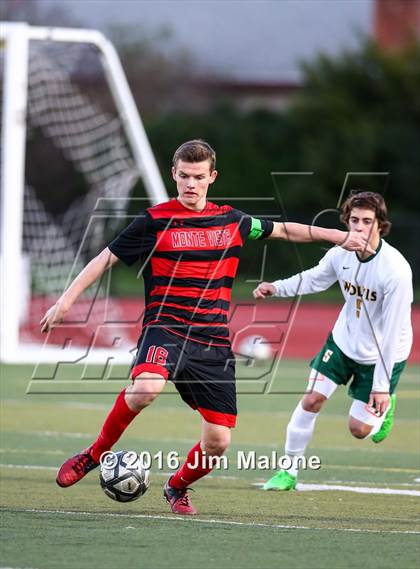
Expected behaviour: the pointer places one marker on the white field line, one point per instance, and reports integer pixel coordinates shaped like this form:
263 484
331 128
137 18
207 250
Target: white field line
101 407
357 489
73 435
181 410
330 466
304 487
268 444
8 567
29 467
187 519
59 434
25 451
212 476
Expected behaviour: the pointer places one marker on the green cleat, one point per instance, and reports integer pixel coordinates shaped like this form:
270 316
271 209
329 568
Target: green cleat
282 480
388 422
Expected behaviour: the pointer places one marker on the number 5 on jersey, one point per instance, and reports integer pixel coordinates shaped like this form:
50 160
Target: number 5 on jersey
327 355
156 355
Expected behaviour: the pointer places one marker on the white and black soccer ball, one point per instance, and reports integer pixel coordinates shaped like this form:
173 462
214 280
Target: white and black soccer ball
123 476
255 348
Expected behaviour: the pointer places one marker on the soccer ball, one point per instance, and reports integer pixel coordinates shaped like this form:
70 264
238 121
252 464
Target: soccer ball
123 476
255 348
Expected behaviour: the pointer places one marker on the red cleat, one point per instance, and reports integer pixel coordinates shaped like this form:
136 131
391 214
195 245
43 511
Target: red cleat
179 500
75 468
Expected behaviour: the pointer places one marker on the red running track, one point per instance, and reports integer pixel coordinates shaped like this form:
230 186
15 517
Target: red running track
293 331
305 328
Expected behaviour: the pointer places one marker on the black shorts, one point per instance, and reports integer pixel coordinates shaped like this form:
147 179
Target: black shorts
203 375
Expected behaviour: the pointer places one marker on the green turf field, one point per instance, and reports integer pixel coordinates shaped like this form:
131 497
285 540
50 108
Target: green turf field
239 525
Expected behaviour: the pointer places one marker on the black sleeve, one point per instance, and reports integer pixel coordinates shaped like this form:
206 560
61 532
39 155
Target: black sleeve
254 227
136 241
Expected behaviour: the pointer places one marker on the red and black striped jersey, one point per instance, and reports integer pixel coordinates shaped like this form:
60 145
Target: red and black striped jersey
189 261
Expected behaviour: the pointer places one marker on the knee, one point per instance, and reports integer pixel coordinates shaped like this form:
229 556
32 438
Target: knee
216 446
359 430
142 393
313 402
139 400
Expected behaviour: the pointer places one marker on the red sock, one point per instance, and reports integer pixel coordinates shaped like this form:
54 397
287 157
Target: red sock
115 424
187 474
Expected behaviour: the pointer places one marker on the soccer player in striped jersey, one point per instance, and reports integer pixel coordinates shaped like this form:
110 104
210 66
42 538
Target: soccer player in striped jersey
189 251
370 341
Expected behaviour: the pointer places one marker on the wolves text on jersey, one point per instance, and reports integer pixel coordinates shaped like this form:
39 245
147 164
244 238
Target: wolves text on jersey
361 291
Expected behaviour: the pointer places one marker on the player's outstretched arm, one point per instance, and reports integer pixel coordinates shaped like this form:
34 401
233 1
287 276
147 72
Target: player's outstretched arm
264 290
93 270
301 233
311 281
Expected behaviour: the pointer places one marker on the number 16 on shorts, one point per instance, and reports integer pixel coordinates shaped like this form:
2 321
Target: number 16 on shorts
156 355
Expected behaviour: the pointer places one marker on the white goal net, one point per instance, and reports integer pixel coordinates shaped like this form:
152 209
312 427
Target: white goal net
81 158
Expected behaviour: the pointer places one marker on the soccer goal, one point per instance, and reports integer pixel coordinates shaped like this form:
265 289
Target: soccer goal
73 149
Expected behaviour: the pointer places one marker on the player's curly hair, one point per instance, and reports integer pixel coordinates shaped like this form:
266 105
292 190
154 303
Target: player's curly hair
367 200
197 150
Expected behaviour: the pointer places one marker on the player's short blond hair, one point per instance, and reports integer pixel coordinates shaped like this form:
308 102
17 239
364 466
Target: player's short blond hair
195 151
367 200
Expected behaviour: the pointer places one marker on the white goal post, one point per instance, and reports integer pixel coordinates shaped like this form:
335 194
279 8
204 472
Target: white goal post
122 141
